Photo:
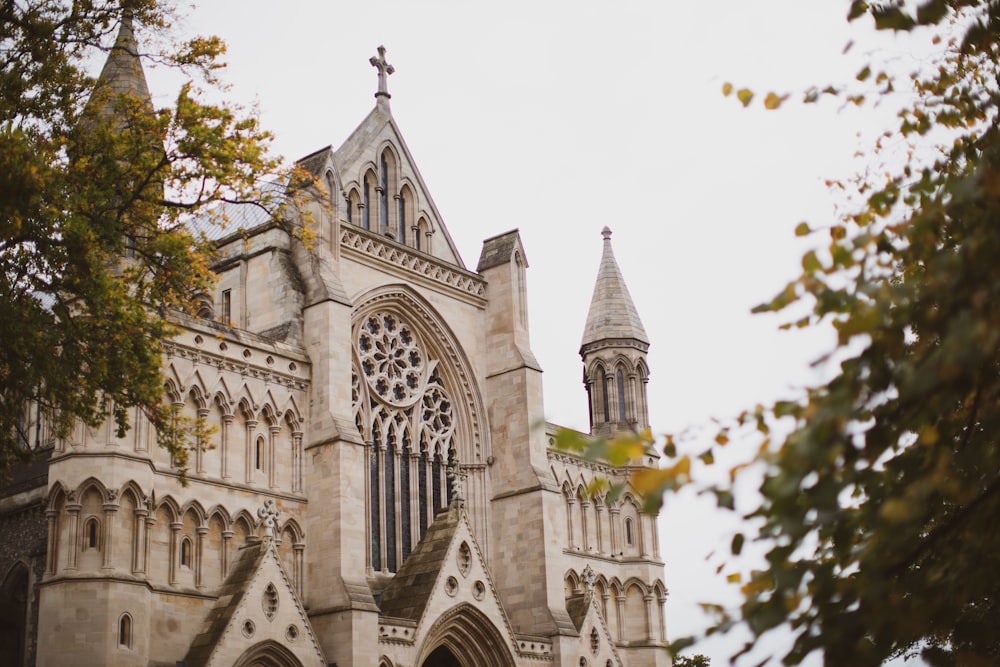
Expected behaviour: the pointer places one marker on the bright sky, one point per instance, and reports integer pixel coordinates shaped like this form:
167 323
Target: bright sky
560 117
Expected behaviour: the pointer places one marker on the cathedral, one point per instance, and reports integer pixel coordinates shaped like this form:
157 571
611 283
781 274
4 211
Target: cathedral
380 489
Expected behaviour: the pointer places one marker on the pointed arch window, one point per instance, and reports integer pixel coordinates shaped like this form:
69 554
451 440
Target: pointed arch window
405 411
383 195
186 552
602 382
620 380
366 204
125 631
92 534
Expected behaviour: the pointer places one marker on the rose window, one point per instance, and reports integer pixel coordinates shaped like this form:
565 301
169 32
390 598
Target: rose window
391 360
407 417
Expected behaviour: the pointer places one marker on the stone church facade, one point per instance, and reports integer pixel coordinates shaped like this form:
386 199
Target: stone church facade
381 487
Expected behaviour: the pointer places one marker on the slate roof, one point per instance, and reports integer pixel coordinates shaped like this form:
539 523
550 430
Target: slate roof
230 596
407 594
612 313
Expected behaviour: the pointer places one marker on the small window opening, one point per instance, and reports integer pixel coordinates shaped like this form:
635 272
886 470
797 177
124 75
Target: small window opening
186 552
227 306
259 454
91 534
629 532
125 631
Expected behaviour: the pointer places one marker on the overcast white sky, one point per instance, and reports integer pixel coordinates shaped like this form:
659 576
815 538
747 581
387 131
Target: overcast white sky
559 117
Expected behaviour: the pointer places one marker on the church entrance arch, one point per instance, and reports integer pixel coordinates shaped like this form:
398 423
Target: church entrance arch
268 654
465 637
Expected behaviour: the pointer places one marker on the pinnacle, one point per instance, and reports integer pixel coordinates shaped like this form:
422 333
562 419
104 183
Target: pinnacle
612 313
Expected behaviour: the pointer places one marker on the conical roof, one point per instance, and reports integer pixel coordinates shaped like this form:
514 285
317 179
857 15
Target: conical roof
612 314
122 74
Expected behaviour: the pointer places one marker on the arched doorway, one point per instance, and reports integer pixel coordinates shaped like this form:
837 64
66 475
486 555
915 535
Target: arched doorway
441 657
13 612
268 654
465 637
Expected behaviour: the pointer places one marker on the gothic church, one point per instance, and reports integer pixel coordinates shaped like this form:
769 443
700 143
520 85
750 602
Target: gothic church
381 488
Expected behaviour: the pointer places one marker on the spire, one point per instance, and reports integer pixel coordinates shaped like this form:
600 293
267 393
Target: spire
122 74
612 314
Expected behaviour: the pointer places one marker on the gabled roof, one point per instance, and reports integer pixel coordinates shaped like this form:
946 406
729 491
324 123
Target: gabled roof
407 594
589 621
612 313
225 634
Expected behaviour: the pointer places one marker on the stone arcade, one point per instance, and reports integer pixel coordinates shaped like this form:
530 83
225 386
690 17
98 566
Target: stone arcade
380 490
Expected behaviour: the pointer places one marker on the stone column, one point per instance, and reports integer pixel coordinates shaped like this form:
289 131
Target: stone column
272 477
175 528
251 445
383 552
52 554
299 566
199 455
614 521
227 422
598 520
73 507
620 612
584 527
150 522
227 537
570 502
297 461
199 554
110 509
648 597
138 551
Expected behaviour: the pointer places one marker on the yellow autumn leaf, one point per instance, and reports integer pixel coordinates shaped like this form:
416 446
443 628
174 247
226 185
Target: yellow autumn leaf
773 101
734 578
727 89
744 95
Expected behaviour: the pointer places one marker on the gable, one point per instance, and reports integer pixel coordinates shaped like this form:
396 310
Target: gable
596 642
445 582
257 611
376 154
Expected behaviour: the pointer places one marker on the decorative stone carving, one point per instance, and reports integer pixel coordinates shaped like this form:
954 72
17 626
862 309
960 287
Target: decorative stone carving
268 515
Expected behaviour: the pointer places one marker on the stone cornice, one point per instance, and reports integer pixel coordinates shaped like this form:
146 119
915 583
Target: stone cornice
224 362
413 265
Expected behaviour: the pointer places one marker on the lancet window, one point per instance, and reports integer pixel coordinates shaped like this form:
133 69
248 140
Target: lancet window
405 412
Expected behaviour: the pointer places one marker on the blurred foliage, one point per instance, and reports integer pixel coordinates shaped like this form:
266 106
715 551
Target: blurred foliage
97 193
881 487
698 660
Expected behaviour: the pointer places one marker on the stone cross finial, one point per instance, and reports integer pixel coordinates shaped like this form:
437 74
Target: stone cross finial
268 515
588 577
455 476
384 70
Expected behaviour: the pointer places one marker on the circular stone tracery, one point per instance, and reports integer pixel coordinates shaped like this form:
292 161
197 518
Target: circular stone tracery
391 359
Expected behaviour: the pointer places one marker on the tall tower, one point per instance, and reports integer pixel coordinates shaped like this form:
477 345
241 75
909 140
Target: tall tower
613 350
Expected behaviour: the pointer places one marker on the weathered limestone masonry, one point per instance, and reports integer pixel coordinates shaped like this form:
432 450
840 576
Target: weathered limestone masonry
379 486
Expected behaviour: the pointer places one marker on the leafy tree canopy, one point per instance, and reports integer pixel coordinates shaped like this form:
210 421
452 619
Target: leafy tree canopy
97 192
881 487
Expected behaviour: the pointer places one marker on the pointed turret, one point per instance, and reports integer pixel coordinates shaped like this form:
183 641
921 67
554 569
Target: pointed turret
614 352
122 74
